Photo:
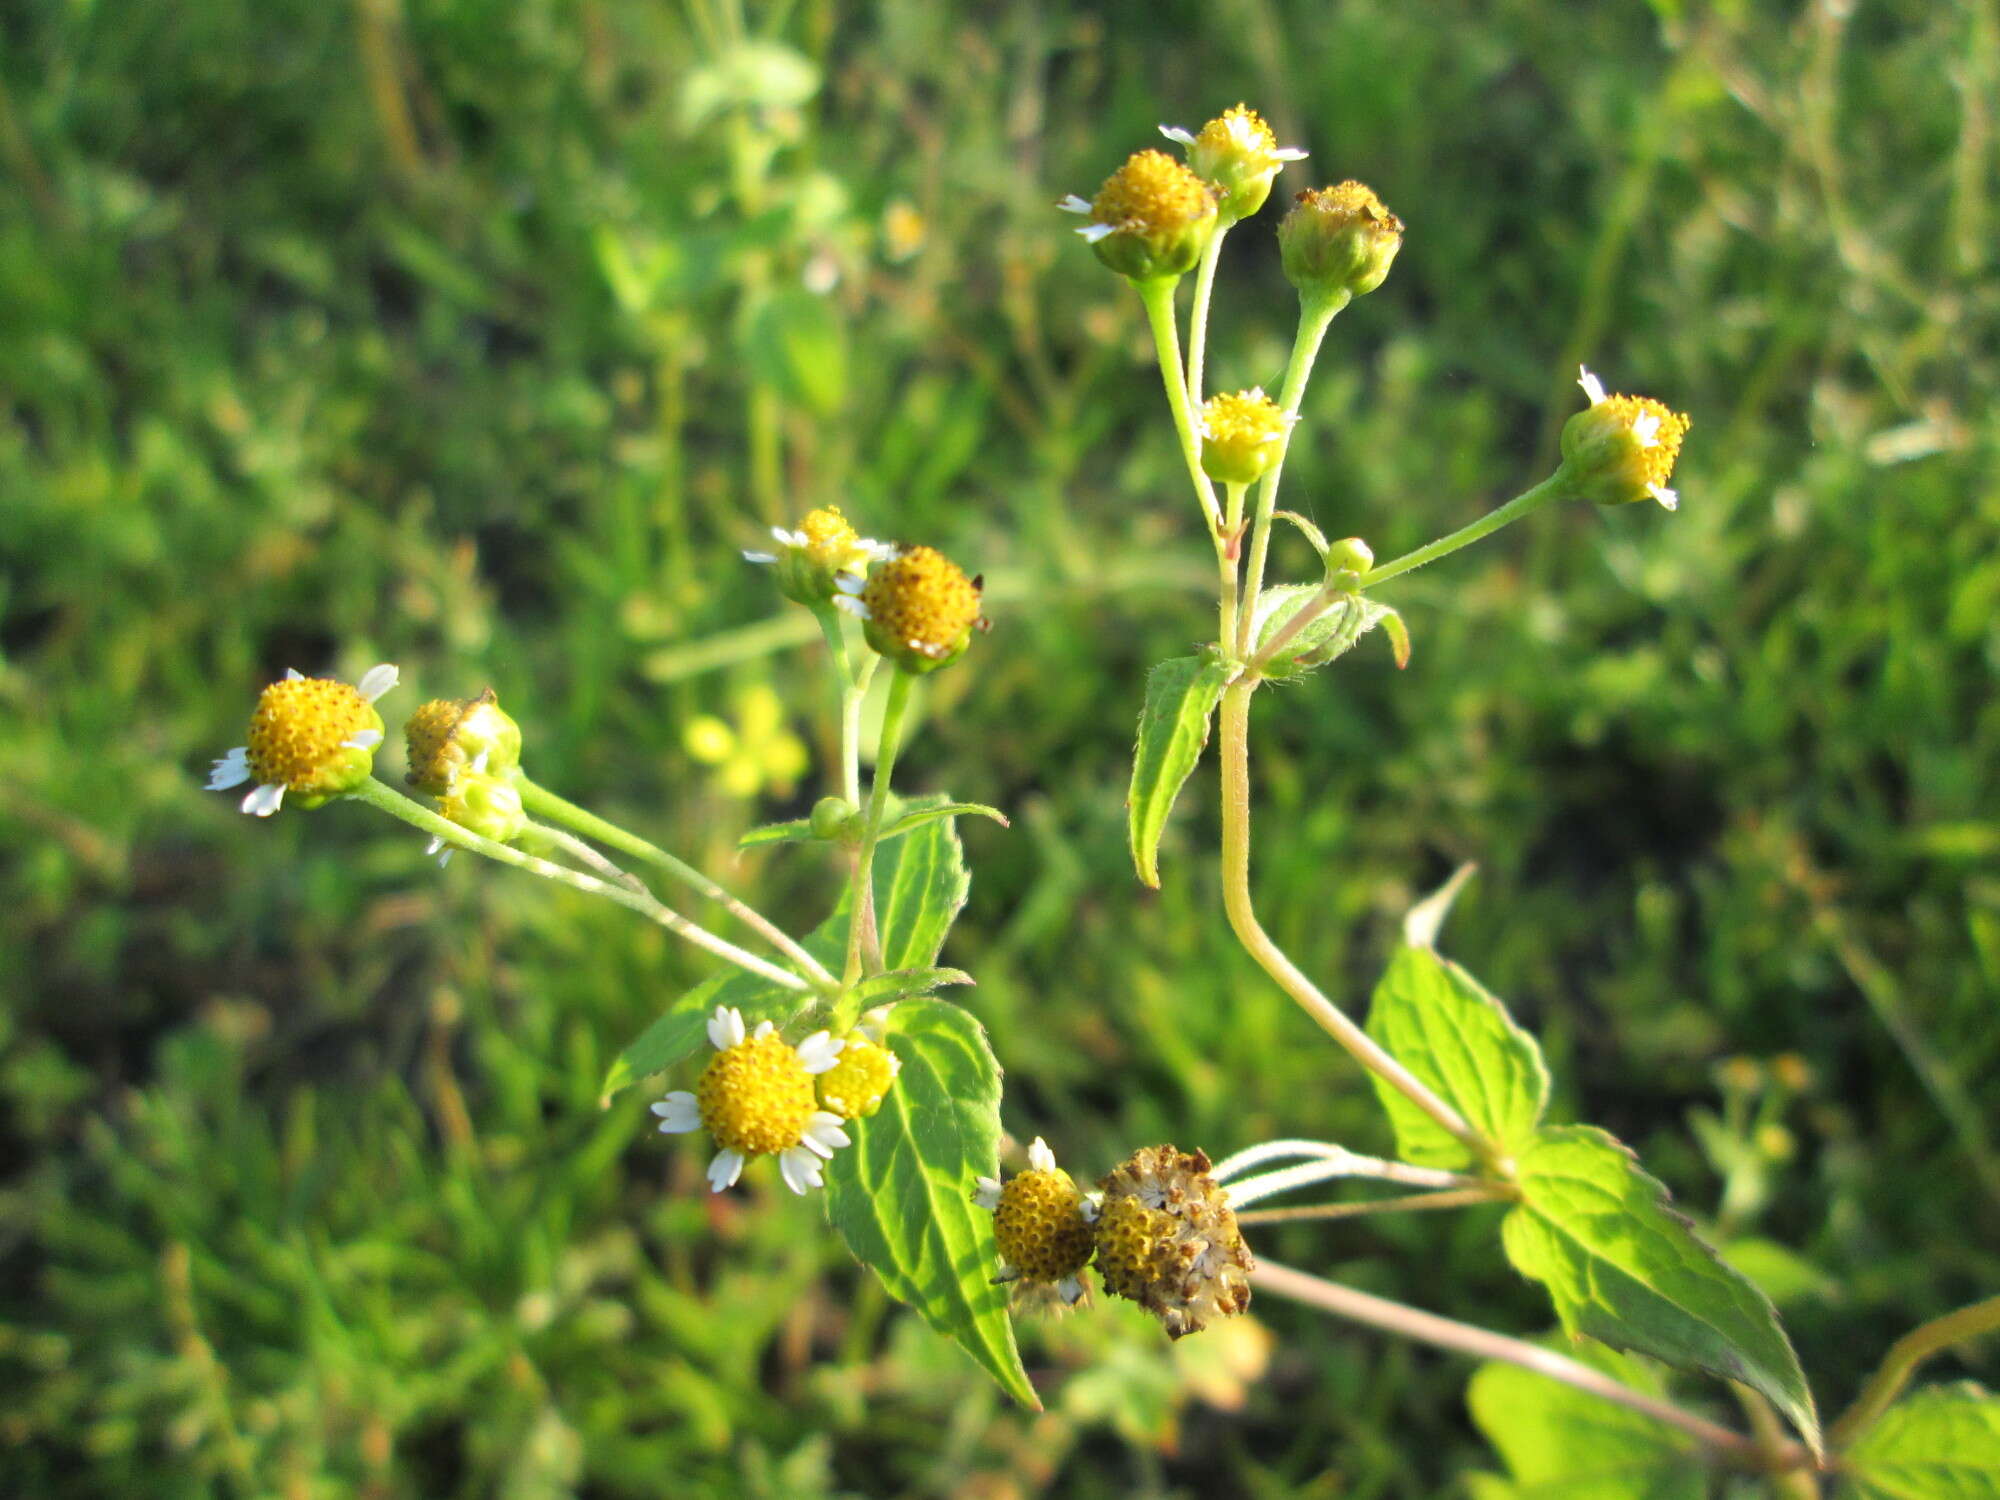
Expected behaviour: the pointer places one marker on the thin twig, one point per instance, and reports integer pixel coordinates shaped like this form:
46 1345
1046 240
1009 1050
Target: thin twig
1418 1202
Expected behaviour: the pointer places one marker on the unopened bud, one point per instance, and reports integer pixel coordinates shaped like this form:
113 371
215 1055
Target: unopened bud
1339 239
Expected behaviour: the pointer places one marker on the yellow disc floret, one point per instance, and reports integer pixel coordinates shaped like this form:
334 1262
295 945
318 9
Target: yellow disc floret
1133 1247
300 738
830 542
920 609
756 1096
1243 434
856 1085
1153 216
1039 1226
1339 239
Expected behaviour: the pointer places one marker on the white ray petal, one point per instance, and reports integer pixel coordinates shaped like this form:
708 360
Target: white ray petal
1646 428
678 1113
1179 134
265 800
1671 499
1291 153
293 674
232 770
1074 205
1040 1157
725 1027
760 557
1095 232
820 1051
823 1133
362 739
852 583
724 1170
1592 386
764 1029
378 680
800 1169
986 1192
852 605
1070 1289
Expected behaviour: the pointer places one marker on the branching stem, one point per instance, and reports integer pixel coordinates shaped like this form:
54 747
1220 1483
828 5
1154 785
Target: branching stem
1901 1362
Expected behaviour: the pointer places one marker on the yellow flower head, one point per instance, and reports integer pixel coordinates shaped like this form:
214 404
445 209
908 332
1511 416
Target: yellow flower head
1150 219
1621 449
822 549
1339 239
1239 153
756 1098
447 736
311 737
1242 435
1041 1227
855 1086
1168 1240
918 608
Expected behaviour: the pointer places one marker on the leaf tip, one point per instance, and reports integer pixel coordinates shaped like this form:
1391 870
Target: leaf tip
1421 923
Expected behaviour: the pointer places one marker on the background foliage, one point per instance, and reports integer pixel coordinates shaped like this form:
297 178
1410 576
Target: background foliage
477 336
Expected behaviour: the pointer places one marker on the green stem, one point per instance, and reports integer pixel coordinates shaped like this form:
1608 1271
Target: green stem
853 689
1158 295
1481 1343
1234 730
585 854
1315 317
380 795
1228 558
1204 287
1486 525
863 940
1454 1198
540 802
1901 1362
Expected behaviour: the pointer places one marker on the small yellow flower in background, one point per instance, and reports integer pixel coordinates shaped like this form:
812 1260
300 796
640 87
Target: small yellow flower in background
1339 239
918 608
757 751
903 230
1041 1227
1168 1240
1150 219
855 1086
1242 435
812 559
1621 449
448 736
755 1098
313 737
1239 154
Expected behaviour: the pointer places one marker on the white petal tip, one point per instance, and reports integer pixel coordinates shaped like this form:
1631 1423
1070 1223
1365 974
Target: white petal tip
231 770
1669 499
1291 153
765 558
1040 1157
1074 205
293 674
377 680
986 1192
362 739
1179 134
852 606
1092 233
1592 386
264 800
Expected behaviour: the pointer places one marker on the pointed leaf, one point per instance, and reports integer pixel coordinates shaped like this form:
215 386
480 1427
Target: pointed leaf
920 888
1181 695
1331 633
793 831
899 982
1623 1267
1443 1026
1938 1443
913 820
1560 1443
901 1194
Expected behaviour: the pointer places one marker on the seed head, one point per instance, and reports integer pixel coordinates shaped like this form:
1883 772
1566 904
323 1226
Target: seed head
919 609
1242 435
1167 1239
448 736
1621 449
1339 239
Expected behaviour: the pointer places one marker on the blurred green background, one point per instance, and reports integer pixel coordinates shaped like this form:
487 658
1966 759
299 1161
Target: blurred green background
478 335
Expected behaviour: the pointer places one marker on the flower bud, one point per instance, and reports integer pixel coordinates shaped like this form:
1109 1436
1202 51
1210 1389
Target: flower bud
448 736
918 608
1242 436
1338 239
1151 219
834 819
487 805
1621 449
822 549
1350 556
1237 152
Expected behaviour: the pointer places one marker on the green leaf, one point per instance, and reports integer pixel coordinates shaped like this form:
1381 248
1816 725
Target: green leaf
1444 1027
901 1194
920 887
1330 634
794 342
914 820
898 982
1623 1267
1562 1444
796 831
1939 1443
1181 695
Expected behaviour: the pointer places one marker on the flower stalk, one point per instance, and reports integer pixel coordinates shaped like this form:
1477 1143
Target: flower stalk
864 943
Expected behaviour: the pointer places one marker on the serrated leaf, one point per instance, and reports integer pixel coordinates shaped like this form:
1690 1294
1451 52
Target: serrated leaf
1441 1024
920 887
901 1194
1938 1443
1560 1443
880 987
910 821
1333 632
1181 695
793 831
1623 1267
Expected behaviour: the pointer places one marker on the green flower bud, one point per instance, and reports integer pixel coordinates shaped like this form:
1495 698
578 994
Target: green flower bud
1237 152
1351 556
1338 239
834 819
487 805
1242 436
1151 219
810 560
447 737
1621 449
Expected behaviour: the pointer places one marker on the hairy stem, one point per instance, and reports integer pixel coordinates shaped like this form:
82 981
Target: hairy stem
1311 1173
1481 1343
545 804
1204 287
587 855
1486 525
1339 1162
1235 735
1456 1198
1901 1362
1158 295
1315 316
380 795
853 689
864 945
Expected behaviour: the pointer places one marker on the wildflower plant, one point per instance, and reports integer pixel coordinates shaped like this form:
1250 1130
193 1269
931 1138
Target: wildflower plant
834 1053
